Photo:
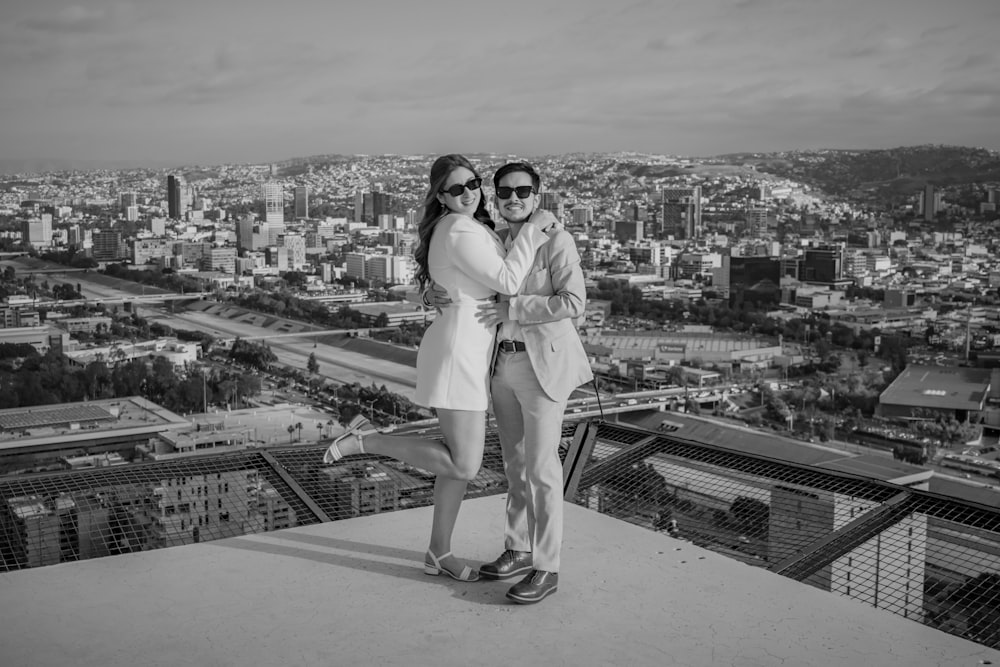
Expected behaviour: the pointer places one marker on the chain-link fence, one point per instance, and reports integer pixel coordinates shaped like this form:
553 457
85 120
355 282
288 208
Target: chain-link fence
930 558
78 514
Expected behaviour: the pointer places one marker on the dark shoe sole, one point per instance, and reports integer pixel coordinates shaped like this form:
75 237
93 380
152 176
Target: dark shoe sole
499 577
532 600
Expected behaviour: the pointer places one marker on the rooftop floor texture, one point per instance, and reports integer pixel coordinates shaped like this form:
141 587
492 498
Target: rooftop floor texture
353 592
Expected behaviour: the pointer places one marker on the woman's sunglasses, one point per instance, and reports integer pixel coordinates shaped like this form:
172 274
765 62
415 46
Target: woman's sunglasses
457 189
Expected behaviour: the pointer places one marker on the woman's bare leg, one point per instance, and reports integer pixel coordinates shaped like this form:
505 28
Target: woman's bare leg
459 457
465 435
455 462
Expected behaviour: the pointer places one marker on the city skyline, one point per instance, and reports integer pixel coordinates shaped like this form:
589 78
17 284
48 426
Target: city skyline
214 81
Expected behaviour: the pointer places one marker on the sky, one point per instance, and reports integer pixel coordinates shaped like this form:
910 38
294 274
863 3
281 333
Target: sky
216 81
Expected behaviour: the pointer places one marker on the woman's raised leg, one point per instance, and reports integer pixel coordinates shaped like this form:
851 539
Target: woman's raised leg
459 457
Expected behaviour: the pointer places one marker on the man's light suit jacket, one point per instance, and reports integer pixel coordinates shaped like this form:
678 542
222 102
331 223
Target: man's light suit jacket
550 301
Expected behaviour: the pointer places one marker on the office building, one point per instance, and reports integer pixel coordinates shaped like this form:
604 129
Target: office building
752 279
630 230
301 199
108 245
551 201
272 231
219 259
245 230
277 257
822 265
274 203
756 219
389 269
37 233
930 202
149 249
381 204
356 265
582 216
696 264
682 212
175 184
296 246
359 206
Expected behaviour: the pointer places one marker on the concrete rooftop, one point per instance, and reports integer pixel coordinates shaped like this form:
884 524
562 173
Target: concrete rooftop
352 592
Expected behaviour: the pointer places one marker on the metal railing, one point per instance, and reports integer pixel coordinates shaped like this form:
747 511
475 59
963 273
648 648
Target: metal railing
931 558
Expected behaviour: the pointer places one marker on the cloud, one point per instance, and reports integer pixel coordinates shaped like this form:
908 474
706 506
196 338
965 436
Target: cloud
78 19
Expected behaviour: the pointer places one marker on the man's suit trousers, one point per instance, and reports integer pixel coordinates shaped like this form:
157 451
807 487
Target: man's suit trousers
530 426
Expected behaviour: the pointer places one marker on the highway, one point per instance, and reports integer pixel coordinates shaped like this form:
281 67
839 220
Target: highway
334 363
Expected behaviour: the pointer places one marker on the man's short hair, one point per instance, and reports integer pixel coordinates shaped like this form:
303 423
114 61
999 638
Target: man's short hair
513 167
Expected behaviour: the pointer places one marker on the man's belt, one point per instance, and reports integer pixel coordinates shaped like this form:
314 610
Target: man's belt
512 346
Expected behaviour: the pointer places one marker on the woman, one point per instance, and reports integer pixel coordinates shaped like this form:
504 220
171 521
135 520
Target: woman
459 251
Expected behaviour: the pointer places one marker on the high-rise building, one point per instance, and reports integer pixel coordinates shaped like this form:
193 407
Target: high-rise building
930 202
244 234
277 257
753 279
551 201
582 216
389 269
219 259
381 205
756 217
822 265
37 232
108 245
174 186
126 199
273 231
682 212
296 245
359 206
302 201
274 202
356 265
629 230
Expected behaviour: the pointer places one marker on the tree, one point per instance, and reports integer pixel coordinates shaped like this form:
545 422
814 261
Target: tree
291 429
312 365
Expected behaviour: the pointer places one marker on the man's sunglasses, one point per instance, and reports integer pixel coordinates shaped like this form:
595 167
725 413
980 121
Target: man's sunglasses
523 191
457 189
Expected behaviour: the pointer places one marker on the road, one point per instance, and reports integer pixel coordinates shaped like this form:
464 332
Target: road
334 362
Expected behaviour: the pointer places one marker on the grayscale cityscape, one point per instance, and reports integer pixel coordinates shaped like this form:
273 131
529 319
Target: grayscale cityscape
787 222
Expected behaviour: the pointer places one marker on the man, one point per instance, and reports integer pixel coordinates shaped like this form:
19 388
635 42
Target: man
539 361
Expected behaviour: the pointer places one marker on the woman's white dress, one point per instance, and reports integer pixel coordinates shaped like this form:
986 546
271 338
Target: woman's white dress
467 259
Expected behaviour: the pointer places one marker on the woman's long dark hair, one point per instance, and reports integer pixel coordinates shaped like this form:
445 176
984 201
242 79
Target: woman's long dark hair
434 210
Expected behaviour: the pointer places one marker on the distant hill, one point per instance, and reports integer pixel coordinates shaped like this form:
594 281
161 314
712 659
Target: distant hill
903 169
43 166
